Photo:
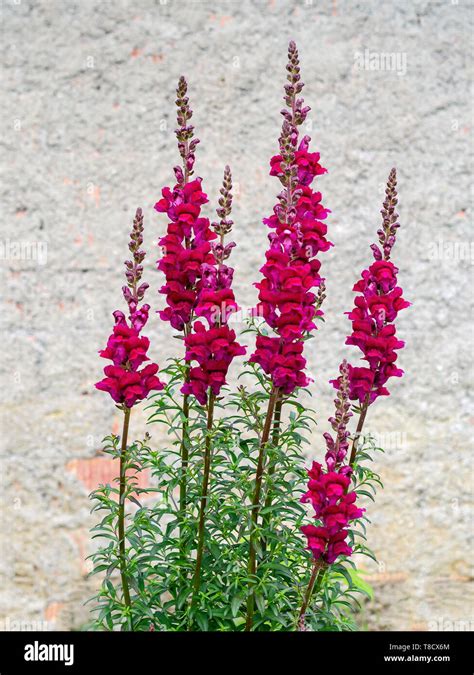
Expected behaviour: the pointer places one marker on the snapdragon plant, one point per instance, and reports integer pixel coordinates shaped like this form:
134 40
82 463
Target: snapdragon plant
223 540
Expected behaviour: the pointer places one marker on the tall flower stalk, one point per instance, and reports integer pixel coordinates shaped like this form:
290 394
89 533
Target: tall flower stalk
185 248
286 300
124 381
213 347
374 332
329 494
373 317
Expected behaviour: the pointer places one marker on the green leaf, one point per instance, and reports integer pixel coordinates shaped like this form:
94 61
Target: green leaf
235 605
361 584
366 494
260 602
202 621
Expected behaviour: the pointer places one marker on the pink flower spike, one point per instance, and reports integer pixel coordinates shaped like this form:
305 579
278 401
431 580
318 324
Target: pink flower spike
126 348
375 311
291 291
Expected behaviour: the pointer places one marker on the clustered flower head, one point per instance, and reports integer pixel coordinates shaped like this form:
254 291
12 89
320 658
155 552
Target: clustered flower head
328 489
126 348
375 311
214 346
287 298
186 245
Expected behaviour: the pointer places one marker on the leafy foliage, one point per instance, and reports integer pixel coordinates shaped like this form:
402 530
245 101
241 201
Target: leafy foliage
161 543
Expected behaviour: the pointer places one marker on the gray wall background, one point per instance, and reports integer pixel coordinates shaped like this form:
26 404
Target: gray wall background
87 136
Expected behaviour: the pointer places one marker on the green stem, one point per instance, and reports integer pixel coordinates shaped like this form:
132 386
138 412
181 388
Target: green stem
355 442
183 487
313 586
252 562
272 468
203 505
184 452
121 514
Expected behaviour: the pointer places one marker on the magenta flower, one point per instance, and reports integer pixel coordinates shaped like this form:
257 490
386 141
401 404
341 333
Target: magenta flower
129 387
198 282
282 361
328 489
186 245
125 344
318 538
186 248
287 299
127 350
373 330
214 347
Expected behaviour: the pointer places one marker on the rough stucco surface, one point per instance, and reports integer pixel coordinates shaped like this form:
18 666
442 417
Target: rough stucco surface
87 136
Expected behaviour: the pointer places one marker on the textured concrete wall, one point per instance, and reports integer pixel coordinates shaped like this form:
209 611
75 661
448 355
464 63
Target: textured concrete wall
87 137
